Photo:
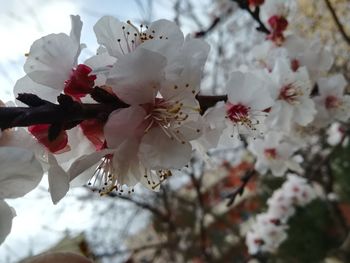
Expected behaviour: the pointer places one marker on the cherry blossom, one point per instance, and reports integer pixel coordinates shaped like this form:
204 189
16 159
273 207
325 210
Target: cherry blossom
269 229
292 94
274 154
331 103
265 235
248 98
52 66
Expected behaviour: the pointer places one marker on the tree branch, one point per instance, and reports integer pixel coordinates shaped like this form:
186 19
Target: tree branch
70 112
243 4
337 22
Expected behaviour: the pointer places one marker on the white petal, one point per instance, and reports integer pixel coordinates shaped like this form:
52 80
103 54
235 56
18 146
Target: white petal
20 172
6 216
239 87
305 112
77 25
85 162
167 38
136 77
186 65
27 85
55 53
158 151
79 145
166 29
192 130
280 116
126 163
109 30
333 85
123 124
51 79
58 180
101 65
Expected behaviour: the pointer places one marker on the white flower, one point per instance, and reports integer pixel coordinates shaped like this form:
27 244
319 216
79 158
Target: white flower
265 235
310 54
274 154
291 91
298 190
280 206
153 135
269 229
331 103
248 97
335 134
52 66
266 54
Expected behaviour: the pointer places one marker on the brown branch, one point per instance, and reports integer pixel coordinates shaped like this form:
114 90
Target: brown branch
154 210
203 233
240 189
68 112
337 22
243 4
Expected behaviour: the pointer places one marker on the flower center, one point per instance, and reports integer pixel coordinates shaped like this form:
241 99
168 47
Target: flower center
294 64
80 82
169 116
270 153
290 93
104 179
332 102
238 113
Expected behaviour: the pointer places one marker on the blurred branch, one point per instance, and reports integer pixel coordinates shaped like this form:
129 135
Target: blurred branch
240 189
243 4
211 27
337 22
197 184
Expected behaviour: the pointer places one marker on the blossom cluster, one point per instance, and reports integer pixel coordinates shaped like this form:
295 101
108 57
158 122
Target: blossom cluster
270 228
275 104
154 70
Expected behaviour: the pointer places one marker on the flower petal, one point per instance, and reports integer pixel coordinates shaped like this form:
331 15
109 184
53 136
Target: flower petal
126 163
27 85
55 55
58 180
133 79
85 162
6 215
20 172
123 124
158 151
114 36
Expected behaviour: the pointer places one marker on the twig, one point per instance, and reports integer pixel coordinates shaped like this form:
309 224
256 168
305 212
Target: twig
337 22
240 189
243 4
203 234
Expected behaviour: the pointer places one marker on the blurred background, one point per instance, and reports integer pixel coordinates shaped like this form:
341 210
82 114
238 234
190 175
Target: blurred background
188 220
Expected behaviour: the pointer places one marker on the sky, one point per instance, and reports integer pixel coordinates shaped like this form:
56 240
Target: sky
40 224
24 21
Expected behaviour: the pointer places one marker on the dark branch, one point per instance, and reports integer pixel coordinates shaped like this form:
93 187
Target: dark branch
213 25
337 22
243 4
68 112
238 191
